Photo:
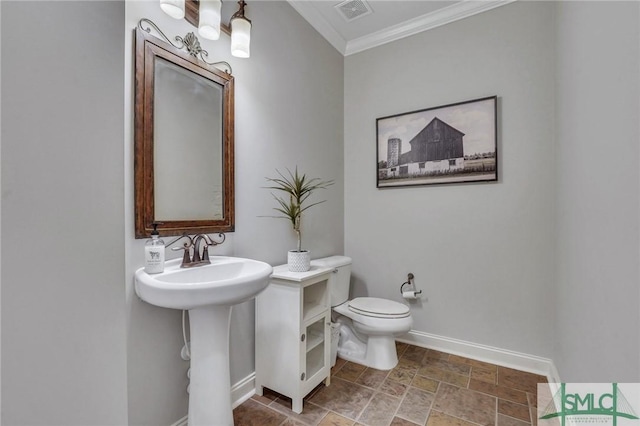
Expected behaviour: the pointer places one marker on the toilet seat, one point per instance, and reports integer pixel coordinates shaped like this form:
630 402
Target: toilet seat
378 308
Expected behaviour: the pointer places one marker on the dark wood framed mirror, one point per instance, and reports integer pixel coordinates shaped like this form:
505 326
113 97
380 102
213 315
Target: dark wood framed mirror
184 139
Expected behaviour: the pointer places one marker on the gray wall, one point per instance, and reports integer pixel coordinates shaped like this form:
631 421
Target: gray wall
545 261
63 270
481 253
289 111
86 351
597 193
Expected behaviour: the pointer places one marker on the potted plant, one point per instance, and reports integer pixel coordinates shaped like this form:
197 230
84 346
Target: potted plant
297 189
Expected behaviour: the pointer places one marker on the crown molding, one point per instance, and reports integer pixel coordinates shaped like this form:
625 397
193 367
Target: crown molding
446 15
316 20
435 19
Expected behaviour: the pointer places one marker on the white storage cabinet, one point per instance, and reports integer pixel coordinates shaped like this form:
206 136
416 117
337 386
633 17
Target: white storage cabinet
293 333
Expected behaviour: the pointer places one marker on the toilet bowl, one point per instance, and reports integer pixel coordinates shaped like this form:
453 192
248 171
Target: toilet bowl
368 325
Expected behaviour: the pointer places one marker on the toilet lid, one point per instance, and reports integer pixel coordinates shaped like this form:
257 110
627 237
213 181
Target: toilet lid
380 308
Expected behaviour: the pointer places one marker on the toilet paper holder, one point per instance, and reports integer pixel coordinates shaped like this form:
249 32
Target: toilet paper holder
409 282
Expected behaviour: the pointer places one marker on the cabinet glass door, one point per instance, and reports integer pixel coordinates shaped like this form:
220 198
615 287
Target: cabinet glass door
315 348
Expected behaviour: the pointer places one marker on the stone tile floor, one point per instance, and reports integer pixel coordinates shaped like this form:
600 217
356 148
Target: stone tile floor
426 388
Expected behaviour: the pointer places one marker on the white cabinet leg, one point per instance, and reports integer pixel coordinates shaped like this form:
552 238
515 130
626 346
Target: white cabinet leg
296 405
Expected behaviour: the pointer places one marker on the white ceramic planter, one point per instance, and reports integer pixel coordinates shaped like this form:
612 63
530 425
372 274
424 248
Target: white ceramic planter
299 261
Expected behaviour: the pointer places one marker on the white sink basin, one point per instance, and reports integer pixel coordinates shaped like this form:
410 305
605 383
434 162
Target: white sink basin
226 281
208 292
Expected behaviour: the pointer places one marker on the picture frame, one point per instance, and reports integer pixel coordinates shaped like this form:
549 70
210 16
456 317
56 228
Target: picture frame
454 143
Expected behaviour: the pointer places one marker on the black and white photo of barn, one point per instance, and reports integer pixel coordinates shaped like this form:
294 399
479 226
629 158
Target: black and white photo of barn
453 143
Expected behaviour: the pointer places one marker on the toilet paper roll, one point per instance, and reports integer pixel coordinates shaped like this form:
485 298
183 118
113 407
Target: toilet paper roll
409 295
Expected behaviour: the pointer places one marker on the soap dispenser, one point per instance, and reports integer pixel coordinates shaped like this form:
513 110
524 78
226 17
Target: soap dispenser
154 253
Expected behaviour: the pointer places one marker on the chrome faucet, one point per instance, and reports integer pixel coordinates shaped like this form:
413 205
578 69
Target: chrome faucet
190 261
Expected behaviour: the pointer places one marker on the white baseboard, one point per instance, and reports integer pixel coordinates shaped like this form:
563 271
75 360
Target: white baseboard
240 392
554 376
182 422
243 390
503 357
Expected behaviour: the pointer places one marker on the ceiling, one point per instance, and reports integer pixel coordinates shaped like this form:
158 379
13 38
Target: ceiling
383 21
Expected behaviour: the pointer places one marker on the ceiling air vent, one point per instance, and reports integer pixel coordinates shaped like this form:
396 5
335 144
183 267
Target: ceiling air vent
353 9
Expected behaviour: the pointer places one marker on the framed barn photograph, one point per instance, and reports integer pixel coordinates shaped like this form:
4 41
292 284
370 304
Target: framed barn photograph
446 144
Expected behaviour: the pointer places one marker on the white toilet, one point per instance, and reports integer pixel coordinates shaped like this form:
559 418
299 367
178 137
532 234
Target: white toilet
368 325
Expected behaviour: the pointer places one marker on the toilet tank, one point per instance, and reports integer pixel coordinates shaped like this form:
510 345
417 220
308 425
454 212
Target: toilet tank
340 279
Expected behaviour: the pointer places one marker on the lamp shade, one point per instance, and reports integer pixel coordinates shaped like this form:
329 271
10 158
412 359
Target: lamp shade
173 8
240 37
209 25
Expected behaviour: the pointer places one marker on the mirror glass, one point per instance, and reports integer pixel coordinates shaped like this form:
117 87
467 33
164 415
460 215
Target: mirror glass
196 103
183 142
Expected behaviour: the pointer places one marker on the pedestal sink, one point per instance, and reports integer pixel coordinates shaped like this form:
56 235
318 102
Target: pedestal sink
208 292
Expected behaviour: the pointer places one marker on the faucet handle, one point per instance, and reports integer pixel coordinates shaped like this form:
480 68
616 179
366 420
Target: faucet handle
205 254
186 259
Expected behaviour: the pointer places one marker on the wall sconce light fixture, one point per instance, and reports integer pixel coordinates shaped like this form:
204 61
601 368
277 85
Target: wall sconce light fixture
205 15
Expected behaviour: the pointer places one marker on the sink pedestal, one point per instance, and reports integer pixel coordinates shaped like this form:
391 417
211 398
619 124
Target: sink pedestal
210 387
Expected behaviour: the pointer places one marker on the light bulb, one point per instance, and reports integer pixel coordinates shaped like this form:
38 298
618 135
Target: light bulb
173 8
